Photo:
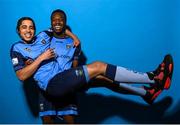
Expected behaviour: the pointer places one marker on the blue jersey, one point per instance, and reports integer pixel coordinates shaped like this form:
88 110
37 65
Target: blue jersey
65 52
21 52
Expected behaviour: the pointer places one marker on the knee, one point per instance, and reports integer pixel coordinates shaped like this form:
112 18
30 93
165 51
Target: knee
99 65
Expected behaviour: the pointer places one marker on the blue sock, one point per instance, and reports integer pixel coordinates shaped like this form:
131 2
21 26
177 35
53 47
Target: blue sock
111 71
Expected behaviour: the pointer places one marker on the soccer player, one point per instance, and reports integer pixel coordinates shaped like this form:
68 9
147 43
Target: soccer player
56 83
50 109
66 58
66 106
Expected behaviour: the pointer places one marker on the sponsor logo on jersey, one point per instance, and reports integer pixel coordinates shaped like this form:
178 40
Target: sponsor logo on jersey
43 41
14 61
68 46
65 56
27 49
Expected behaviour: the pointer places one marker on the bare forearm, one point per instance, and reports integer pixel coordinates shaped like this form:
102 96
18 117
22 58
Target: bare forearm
29 70
70 34
73 36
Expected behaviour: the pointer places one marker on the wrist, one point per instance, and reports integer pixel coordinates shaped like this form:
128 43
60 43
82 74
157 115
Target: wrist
39 59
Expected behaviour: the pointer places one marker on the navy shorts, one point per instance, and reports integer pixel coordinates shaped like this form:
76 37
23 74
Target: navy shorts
68 81
66 105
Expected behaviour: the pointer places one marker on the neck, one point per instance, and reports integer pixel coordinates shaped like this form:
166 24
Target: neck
28 42
59 35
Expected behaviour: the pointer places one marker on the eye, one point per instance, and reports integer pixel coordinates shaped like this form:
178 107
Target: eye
23 26
31 27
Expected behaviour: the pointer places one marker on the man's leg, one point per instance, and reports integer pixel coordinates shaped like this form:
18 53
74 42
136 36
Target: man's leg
123 88
149 94
69 119
161 77
116 73
47 119
81 75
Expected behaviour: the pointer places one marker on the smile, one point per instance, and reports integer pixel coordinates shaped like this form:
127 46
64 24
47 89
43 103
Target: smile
58 27
28 35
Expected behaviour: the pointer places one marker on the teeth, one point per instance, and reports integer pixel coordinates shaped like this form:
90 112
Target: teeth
58 27
28 35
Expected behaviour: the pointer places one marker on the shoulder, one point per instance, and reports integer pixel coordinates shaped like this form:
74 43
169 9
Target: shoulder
69 39
15 48
45 34
16 45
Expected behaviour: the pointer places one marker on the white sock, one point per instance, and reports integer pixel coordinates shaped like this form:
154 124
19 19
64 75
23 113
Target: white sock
130 76
132 89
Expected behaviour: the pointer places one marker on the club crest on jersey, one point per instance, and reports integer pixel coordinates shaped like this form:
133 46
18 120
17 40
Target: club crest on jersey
27 49
14 61
68 46
43 41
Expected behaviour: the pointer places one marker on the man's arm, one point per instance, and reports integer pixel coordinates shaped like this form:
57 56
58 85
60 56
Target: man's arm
77 56
30 69
74 37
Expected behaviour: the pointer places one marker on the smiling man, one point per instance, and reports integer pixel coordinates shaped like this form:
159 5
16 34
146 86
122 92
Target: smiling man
67 57
26 57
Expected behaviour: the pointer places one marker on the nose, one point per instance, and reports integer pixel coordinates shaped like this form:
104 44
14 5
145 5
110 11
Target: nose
57 21
28 29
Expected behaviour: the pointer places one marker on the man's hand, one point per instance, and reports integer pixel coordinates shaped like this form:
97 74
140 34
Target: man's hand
48 54
74 37
76 42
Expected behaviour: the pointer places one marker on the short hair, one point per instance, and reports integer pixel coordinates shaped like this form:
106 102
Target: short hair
19 22
59 11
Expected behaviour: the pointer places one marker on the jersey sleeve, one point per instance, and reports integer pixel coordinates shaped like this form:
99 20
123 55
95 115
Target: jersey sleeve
77 52
17 60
